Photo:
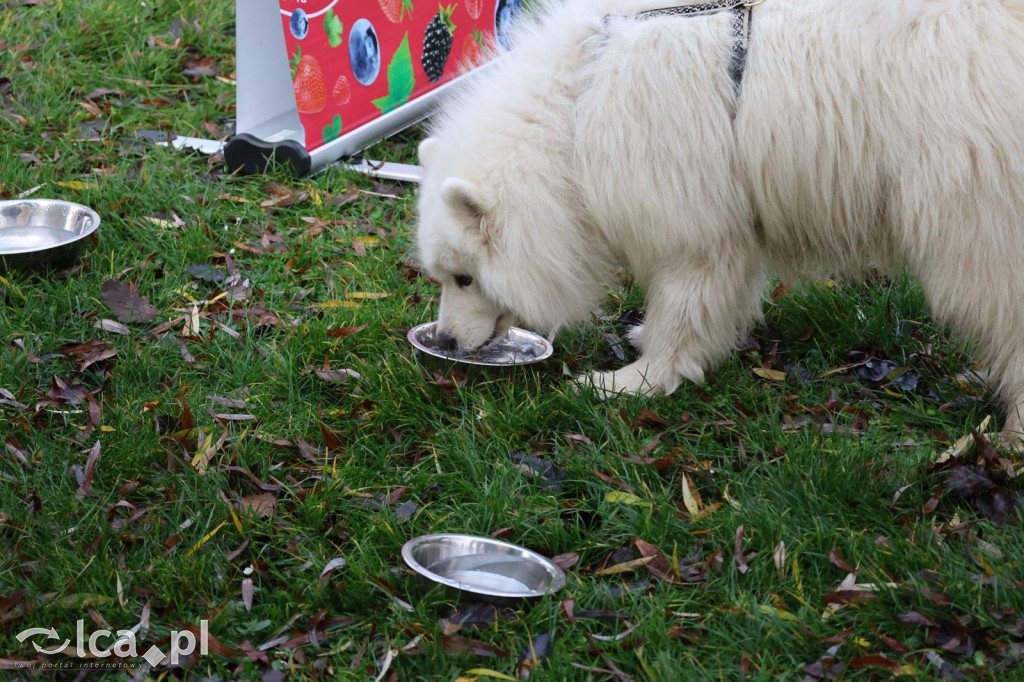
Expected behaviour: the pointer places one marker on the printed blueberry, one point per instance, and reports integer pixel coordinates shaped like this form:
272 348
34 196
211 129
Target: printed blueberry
503 13
299 24
364 52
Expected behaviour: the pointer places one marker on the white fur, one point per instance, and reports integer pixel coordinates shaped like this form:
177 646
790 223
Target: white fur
889 131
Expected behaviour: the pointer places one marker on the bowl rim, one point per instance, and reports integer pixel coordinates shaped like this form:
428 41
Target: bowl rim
95 224
549 349
557 582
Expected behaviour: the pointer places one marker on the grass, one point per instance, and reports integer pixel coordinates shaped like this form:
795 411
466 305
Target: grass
231 473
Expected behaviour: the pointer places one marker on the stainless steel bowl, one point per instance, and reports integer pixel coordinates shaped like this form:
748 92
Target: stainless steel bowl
483 567
37 233
519 348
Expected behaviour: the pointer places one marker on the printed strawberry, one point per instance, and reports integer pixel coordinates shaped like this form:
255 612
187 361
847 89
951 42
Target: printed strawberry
342 91
474 7
437 43
474 49
395 10
308 83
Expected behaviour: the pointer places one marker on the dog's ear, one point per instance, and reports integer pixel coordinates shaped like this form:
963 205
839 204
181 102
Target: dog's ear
462 196
426 150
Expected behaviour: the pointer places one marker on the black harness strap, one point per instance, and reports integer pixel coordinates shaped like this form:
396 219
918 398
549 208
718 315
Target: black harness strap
740 27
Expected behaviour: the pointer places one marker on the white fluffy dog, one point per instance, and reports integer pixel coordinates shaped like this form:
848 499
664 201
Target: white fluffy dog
889 131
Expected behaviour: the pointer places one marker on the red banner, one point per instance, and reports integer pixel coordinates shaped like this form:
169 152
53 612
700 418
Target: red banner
353 61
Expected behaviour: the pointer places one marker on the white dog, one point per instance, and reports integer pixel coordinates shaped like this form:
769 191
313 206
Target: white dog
889 131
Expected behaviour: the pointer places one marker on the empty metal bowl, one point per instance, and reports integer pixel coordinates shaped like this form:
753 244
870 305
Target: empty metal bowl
518 348
482 567
38 233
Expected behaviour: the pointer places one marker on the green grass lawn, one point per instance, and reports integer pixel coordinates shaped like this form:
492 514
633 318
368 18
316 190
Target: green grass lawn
255 445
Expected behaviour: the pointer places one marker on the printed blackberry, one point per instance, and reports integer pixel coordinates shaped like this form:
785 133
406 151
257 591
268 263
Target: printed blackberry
437 43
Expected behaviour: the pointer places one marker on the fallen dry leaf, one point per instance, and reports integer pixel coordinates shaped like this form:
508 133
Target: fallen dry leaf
261 504
126 302
247 594
85 480
112 326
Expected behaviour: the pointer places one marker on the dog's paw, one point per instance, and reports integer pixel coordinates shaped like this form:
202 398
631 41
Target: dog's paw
621 382
636 337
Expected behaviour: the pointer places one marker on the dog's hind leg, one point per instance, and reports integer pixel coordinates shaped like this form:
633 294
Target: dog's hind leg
976 283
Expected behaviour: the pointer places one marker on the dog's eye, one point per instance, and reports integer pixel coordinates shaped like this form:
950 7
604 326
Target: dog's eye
463 281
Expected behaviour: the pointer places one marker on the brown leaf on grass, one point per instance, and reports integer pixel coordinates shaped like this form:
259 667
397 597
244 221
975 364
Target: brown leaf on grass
894 644
230 416
237 287
331 439
650 420
933 503
826 666
839 562
738 549
17 452
187 421
112 326
252 654
937 598
62 392
266 487
85 480
89 353
843 597
260 504
779 556
343 332
337 376
279 194
8 398
915 618
659 566
102 93
987 484
457 644
625 566
212 642
228 402
396 495
325 574
476 616
126 302
406 511
567 560
247 593
199 68
612 481
535 655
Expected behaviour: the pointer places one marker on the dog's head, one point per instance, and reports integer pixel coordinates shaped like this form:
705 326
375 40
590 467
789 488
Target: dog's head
457 250
501 231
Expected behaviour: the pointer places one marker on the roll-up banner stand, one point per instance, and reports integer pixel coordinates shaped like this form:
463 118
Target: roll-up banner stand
320 80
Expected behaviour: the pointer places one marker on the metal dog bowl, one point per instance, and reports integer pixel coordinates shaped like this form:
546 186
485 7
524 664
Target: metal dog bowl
38 233
483 567
518 348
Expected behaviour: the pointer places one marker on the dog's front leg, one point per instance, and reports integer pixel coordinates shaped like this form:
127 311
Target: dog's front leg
694 317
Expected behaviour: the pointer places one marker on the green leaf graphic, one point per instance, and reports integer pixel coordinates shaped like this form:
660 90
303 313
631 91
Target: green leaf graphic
333 27
401 79
333 131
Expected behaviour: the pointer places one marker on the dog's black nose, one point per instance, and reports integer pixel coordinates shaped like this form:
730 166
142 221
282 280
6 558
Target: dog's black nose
445 341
